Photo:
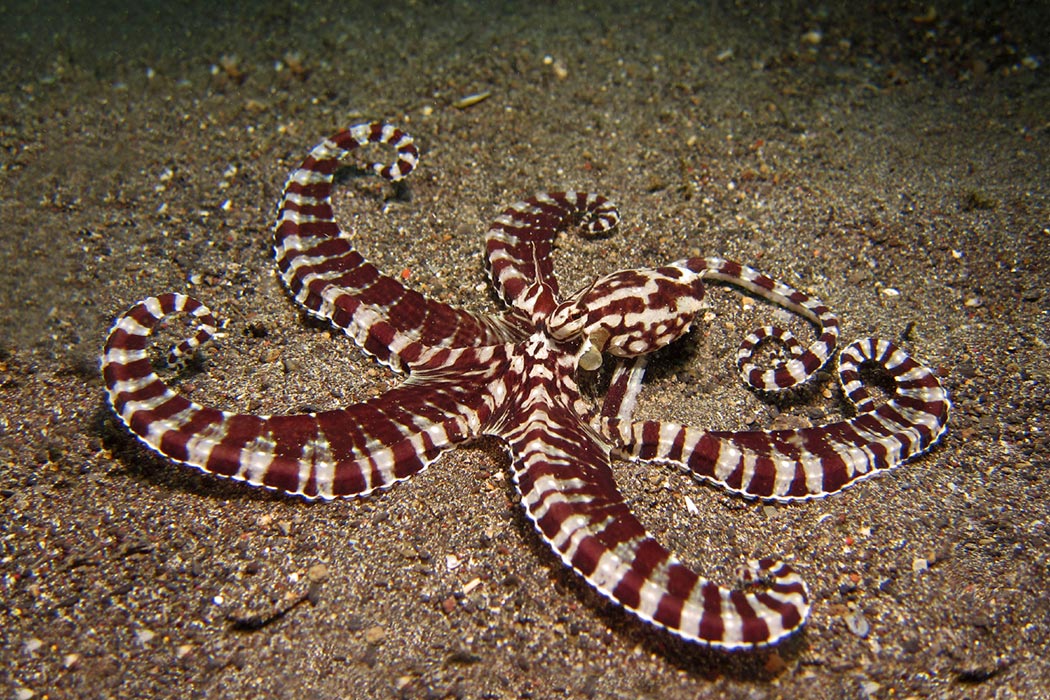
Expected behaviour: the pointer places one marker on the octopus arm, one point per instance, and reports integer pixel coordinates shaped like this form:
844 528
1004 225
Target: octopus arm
566 483
325 273
808 462
346 452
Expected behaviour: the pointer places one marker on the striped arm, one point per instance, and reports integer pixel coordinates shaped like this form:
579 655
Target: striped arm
624 387
801 366
789 465
784 337
332 280
520 240
348 452
566 484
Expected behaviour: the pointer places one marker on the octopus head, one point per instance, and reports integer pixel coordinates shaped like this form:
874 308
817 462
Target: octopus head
628 313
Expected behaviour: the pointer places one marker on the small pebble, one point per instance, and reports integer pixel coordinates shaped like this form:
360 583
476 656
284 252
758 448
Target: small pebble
471 100
145 635
691 506
813 37
560 71
317 573
919 564
774 663
869 688
375 635
858 624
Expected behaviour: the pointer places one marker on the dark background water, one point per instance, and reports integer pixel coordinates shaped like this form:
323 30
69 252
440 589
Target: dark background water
114 41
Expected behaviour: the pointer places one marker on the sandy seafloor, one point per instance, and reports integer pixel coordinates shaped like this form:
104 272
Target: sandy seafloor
888 157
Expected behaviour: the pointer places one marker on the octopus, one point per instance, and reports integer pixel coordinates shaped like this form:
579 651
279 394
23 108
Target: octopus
516 376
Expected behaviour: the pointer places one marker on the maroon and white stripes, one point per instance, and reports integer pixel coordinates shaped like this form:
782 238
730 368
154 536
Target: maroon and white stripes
332 280
801 366
571 497
786 465
346 452
630 312
512 376
566 483
750 343
519 243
